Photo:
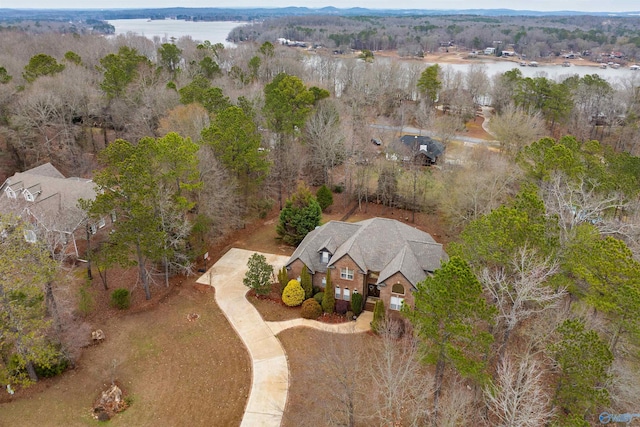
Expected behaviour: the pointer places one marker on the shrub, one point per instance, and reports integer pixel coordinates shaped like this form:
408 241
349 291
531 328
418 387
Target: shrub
293 294
319 297
338 188
356 303
324 197
283 278
305 282
342 306
121 298
316 289
258 275
350 315
328 299
56 368
311 309
378 316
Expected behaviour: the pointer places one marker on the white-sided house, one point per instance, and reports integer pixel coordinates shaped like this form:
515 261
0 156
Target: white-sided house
382 259
48 200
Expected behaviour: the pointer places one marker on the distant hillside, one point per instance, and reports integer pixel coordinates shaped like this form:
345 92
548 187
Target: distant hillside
210 14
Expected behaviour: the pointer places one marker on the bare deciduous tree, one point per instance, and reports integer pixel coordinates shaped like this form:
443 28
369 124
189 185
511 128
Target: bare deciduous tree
521 291
518 397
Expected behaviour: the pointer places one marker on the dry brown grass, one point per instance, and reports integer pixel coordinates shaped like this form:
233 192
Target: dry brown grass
177 372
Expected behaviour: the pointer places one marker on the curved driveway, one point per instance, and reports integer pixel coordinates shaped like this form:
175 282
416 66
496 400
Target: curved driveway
270 371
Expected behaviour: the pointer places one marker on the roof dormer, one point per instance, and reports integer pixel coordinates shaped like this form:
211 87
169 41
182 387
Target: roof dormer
30 194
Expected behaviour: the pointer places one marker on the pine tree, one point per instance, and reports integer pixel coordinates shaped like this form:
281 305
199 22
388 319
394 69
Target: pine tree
329 298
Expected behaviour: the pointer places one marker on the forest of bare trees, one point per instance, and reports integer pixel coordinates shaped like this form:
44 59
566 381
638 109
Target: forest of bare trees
535 37
546 227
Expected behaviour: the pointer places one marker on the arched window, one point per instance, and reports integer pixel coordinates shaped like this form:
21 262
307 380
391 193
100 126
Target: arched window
398 289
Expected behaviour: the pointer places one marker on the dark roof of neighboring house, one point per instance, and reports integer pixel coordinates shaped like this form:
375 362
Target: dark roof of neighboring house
381 245
56 198
424 145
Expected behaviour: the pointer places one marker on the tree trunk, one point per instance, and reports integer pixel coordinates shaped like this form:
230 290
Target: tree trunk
52 306
439 376
89 275
142 272
31 370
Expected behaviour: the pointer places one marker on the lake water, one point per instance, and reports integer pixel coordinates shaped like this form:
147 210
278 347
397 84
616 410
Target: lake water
555 72
215 31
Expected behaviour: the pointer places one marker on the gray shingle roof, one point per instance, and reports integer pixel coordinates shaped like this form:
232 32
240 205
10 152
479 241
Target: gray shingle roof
56 197
376 245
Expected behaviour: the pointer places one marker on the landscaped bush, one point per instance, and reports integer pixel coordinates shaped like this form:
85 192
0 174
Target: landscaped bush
311 309
305 282
318 297
329 299
293 294
342 306
378 316
283 277
316 289
121 298
356 303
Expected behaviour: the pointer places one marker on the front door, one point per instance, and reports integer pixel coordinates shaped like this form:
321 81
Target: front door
373 290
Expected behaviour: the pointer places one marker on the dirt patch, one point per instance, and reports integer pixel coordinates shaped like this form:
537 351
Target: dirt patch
271 307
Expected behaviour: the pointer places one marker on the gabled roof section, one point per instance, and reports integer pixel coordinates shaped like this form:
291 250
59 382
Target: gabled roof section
46 170
376 245
330 245
333 232
405 263
423 145
56 205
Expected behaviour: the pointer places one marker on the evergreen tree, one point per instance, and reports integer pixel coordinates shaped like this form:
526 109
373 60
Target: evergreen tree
325 197
584 361
329 297
451 316
301 214
25 268
378 316
305 282
258 275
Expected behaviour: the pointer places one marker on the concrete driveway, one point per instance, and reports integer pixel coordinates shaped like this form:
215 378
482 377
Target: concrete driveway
270 372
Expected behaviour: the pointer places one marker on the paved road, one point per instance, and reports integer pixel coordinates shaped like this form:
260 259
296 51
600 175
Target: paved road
270 371
426 132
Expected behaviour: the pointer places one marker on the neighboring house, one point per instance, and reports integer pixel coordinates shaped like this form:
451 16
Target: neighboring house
425 150
379 258
43 197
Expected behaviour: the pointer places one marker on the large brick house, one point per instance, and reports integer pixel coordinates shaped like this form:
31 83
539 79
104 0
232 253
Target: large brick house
379 258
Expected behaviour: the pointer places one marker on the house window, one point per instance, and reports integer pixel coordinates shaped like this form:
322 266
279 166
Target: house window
324 282
30 236
398 289
28 196
10 193
396 302
346 273
93 229
101 223
324 257
337 293
346 295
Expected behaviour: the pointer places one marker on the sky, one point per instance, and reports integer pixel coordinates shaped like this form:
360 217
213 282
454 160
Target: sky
538 5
